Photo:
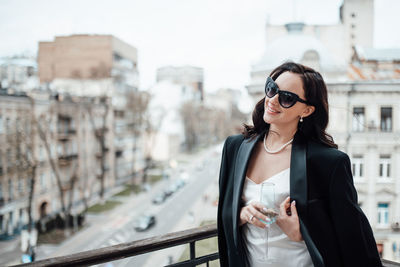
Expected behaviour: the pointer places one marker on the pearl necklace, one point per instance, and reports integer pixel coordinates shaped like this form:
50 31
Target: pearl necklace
279 149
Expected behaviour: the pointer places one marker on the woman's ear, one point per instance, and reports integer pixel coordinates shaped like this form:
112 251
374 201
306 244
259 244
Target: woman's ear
308 111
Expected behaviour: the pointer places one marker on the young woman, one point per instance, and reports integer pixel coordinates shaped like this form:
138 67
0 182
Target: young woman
319 222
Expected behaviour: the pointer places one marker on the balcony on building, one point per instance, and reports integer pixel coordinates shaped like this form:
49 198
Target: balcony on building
65 127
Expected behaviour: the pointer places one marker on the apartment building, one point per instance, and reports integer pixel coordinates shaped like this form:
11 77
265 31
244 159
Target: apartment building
53 134
96 66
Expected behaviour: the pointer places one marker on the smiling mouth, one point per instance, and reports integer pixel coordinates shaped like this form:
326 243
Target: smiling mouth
272 110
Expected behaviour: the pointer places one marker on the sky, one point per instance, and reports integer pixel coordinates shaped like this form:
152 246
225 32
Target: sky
225 37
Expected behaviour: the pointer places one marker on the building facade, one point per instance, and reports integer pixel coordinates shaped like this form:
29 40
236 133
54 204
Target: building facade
365 123
189 77
96 66
364 98
53 136
18 73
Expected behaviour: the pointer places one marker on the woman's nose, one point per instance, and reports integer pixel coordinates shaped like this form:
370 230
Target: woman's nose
275 99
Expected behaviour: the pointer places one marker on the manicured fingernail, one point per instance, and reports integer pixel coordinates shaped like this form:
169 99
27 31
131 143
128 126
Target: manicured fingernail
265 209
294 202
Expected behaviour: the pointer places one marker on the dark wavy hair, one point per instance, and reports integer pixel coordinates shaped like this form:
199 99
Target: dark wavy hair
314 126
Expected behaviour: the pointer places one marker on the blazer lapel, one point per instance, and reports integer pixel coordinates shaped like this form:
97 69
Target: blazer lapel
298 192
298 174
242 160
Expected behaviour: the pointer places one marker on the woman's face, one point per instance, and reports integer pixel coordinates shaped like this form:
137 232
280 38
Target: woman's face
274 113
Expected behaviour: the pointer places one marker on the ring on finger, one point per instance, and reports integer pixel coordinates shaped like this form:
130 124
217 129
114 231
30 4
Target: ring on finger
251 218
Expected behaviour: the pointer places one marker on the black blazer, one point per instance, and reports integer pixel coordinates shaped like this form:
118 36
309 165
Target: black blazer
335 230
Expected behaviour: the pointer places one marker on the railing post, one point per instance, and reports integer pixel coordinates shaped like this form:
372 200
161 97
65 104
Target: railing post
192 250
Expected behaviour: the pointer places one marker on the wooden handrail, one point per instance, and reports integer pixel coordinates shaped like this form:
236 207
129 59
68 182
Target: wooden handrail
138 247
129 249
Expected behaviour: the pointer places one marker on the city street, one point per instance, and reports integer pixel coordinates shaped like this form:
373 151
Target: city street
174 214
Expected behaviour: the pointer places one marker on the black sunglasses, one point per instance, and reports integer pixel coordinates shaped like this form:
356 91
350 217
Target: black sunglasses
286 99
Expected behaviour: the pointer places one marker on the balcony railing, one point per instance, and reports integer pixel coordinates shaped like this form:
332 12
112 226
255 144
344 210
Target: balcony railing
124 250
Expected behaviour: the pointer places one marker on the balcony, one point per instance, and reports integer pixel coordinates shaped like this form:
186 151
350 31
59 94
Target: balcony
65 134
64 160
130 249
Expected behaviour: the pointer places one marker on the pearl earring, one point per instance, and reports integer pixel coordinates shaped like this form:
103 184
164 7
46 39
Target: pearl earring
301 119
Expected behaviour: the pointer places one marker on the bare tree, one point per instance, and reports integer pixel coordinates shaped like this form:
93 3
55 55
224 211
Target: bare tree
23 144
100 132
204 125
136 109
43 127
189 112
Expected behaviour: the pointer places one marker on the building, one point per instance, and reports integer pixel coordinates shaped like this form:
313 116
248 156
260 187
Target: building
365 123
18 73
327 48
296 46
176 85
375 64
96 66
54 135
364 98
87 57
189 77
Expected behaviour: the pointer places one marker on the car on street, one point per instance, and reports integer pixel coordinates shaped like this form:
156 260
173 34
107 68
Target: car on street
159 198
144 222
180 183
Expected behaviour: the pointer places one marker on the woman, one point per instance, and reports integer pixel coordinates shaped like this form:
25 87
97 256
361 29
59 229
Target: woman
319 221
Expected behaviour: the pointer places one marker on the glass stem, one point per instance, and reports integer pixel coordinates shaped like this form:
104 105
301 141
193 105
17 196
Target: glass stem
267 242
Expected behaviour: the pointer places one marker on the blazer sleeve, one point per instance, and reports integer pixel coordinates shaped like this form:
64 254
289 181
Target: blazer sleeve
222 249
353 231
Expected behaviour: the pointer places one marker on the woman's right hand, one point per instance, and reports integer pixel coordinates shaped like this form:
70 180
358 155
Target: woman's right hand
252 214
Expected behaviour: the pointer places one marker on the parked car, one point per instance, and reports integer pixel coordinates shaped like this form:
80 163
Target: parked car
180 183
159 198
144 222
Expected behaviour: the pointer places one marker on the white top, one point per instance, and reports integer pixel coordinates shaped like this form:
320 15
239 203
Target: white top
282 252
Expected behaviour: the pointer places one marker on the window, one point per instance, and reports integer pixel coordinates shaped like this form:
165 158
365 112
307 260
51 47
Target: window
1 124
383 214
18 125
8 126
20 185
384 166
42 181
27 126
10 190
1 194
386 119
357 166
9 158
358 119
1 163
41 155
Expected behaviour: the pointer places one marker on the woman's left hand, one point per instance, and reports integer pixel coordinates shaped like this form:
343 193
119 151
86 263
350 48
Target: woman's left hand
289 223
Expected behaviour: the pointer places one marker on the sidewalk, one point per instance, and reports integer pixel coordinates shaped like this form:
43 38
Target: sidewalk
10 250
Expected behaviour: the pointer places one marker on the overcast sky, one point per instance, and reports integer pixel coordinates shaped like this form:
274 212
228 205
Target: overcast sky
224 37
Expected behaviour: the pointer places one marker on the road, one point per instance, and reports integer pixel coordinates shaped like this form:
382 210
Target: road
117 227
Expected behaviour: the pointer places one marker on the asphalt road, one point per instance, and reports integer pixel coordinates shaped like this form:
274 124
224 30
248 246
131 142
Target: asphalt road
170 212
117 227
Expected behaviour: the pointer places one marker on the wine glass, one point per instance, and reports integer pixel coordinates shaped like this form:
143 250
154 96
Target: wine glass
267 198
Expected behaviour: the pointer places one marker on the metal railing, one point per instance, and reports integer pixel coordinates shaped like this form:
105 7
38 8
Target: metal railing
147 245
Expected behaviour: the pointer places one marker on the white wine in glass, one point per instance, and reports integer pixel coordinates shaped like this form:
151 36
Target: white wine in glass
267 198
